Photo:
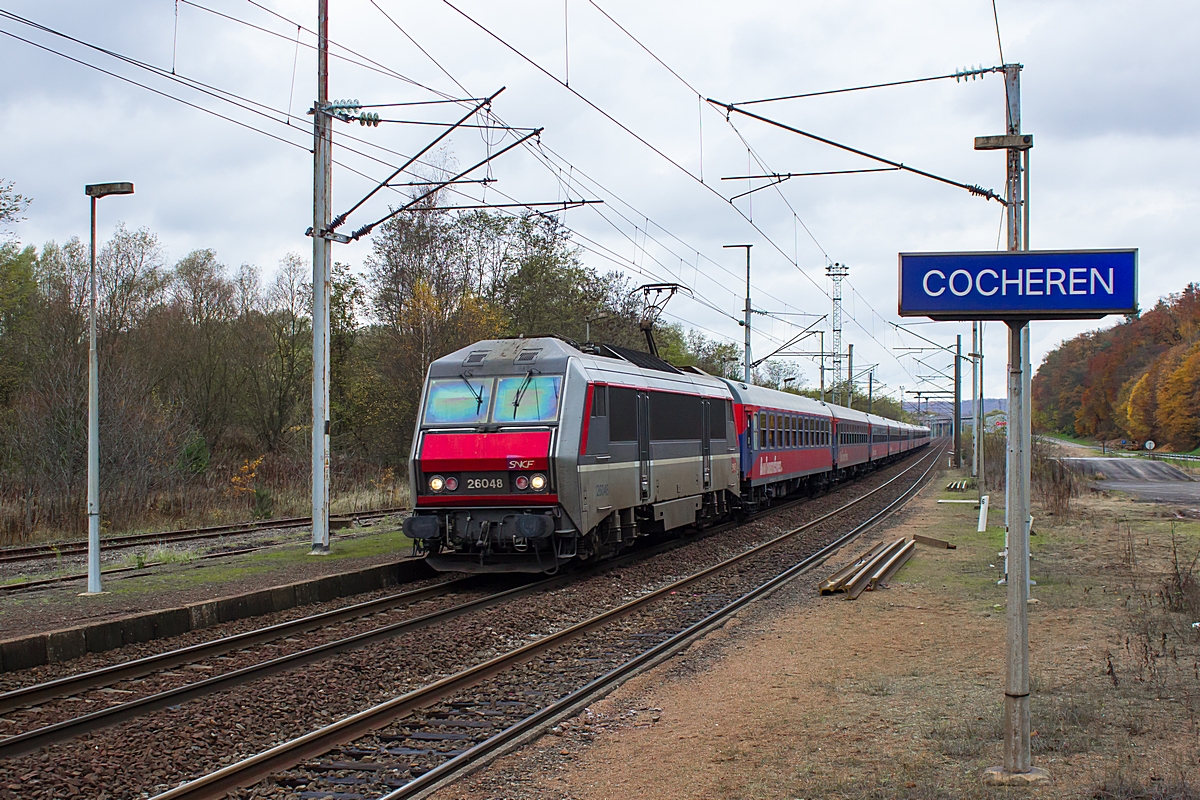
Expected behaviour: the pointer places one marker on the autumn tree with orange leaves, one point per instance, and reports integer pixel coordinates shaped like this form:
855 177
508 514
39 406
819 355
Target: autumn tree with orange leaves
1139 380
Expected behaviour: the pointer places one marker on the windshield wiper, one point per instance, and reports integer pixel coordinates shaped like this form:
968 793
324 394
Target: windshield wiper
477 395
521 392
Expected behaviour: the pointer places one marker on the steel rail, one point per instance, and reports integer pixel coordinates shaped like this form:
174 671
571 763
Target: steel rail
541 720
67 729
127 670
79 546
288 754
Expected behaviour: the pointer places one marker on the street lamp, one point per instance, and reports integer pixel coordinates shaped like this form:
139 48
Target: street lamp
95 191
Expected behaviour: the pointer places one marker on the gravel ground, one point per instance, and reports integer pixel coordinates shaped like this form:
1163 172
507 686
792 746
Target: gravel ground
899 694
152 753
523 689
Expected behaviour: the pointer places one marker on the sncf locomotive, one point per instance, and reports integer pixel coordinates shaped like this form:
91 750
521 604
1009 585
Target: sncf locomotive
532 453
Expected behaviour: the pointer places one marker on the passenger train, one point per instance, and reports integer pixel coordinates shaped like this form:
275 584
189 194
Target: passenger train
533 453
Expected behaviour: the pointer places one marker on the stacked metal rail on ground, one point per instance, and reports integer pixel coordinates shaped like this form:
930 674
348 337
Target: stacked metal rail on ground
869 570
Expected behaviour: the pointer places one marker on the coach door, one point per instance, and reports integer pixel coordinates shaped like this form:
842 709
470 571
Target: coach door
833 439
706 441
643 423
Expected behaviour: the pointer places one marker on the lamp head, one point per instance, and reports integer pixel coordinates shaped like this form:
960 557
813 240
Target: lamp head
105 189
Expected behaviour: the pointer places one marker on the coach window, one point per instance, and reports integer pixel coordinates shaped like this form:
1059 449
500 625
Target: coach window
762 431
770 430
792 433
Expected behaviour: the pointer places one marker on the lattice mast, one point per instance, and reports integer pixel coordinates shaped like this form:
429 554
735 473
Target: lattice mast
836 273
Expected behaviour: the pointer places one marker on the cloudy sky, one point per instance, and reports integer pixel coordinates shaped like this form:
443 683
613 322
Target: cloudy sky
1108 91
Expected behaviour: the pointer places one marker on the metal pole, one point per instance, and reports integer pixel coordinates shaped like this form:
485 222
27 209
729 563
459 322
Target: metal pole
1018 763
850 376
93 495
322 208
982 402
1017 757
870 391
746 321
822 365
747 375
958 403
976 429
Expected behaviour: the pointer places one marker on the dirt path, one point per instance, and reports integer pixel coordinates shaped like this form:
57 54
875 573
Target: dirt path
898 694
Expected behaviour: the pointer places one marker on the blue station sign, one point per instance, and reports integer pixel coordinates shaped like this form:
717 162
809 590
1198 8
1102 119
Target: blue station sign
1015 285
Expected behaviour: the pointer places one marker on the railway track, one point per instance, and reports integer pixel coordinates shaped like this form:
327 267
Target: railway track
39 552
413 743
108 678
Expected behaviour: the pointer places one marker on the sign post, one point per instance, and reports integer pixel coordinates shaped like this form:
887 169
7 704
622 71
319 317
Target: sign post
1017 286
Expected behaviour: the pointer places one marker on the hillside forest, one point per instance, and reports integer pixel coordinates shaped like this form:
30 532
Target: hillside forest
1138 381
205 380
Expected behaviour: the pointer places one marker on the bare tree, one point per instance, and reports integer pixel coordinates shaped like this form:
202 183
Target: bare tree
278 342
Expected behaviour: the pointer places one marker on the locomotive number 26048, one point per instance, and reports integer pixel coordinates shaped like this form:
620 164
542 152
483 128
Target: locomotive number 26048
485 483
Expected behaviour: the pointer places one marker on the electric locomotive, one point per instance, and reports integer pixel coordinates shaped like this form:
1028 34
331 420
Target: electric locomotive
532 453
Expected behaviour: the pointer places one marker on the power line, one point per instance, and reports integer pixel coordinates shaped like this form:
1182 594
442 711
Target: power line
542 147
365 63
424 52
987 194
996 17
152 89
957 75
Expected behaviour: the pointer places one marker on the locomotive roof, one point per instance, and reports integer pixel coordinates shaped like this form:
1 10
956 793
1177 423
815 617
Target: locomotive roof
549 355
505 357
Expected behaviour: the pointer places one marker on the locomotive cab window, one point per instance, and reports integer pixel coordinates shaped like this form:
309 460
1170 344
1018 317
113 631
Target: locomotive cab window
530 398
457 401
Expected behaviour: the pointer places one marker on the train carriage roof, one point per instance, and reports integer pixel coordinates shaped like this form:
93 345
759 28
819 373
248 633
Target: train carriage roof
762 397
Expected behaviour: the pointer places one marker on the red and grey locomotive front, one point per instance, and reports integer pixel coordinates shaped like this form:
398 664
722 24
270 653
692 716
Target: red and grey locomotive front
530 453
483 468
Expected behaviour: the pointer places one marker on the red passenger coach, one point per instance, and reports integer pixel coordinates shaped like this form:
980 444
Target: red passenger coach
784 440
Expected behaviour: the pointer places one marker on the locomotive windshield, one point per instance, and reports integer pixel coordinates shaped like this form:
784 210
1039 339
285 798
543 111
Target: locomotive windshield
467 400
458 400
533 398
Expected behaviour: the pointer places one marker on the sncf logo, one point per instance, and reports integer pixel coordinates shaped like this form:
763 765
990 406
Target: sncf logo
517 463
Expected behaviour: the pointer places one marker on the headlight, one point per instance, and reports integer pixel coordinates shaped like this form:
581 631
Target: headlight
437 483
537 482
451 484
522 482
